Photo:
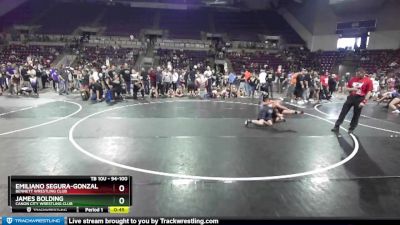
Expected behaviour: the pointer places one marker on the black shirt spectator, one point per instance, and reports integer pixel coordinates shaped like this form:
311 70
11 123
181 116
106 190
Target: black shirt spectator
159 77
85 79
299 81
270 77
64 74
24 74
307 80
126 74
144 75
332 84
192 76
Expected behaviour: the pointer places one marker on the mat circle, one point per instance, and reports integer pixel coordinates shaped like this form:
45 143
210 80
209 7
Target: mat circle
194 177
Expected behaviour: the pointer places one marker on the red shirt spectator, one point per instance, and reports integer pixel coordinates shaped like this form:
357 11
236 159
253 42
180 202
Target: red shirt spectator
324 80
247 75
152 76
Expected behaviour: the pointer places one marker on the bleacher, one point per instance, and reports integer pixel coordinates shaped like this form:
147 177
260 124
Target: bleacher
255 60
375 60
19 54
99 55
182 59
125 42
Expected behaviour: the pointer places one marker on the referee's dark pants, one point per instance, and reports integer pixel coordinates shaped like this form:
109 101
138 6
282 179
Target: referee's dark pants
352 101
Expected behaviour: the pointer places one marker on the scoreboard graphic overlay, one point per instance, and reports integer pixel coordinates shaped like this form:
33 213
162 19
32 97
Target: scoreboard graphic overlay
75 194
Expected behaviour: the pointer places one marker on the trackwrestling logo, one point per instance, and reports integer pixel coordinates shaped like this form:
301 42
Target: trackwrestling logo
33 220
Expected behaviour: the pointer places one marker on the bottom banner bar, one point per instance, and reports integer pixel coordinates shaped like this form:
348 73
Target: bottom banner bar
211 221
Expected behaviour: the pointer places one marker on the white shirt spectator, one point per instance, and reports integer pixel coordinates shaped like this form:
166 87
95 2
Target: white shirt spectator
135 75
32 73
262 77
70 77
175 77
207 73
167 77
95 75
201 80
375 85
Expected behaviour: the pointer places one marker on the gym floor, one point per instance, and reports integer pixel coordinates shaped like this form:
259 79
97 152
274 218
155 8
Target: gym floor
193 157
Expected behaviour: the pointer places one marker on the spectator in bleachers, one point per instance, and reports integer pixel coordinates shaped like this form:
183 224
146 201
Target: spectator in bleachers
63 80
126 75
270 82
167 79
33 81
253 83
307 80
159 82
283 81
247 88
2 79
316 85
145 79
324 78
175 79
332 84
341 83
137 84
299 87
96 90
15 82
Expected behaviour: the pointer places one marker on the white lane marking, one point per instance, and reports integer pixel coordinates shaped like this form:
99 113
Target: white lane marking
49 122
361 124
369 177
19 110
184 176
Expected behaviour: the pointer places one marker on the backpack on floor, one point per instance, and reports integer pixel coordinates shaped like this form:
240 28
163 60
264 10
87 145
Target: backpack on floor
85 95
108 96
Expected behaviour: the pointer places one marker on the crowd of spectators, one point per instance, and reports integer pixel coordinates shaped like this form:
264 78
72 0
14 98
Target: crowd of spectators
109 73
23 53
105 55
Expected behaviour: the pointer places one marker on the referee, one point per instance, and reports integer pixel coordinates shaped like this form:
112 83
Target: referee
360 88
